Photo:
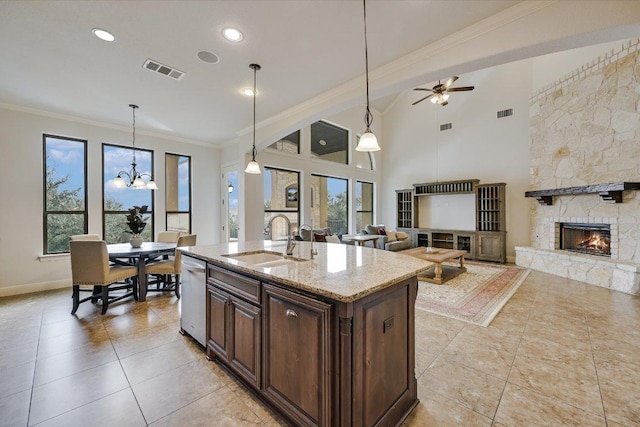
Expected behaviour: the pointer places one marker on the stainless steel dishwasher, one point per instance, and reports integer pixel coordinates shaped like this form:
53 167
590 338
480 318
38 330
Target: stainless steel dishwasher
193 298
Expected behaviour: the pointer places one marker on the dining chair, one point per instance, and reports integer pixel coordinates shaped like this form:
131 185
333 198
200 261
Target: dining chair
90 267
168 236
85 237
163 270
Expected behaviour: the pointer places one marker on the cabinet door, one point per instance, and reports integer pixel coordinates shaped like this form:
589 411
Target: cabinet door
244 335
297 355
217 330
491 247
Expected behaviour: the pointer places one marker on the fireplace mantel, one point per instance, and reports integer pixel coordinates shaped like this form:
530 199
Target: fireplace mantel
611 192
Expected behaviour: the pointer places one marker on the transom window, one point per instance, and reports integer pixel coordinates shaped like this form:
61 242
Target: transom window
65 191
288 144
329 142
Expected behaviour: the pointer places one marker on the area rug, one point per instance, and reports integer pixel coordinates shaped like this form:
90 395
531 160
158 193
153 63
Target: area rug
475 296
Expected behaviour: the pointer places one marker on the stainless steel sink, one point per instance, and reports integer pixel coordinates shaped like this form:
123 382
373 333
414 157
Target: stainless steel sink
264 258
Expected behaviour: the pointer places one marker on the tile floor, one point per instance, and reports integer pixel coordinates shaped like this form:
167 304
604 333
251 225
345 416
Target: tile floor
560 353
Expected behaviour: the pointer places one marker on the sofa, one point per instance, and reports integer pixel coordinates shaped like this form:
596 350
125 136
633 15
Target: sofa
304 235
388 240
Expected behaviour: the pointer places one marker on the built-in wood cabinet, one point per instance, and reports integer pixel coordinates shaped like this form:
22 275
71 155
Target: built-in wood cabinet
486 243
404 208
318 361
297 354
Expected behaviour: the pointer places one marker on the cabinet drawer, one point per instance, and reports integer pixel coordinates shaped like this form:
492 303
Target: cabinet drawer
241 286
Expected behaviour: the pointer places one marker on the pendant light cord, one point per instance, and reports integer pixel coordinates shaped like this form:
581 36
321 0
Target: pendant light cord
133 107
253 151
368 117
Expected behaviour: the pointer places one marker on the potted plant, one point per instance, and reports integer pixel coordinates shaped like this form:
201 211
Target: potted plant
136 223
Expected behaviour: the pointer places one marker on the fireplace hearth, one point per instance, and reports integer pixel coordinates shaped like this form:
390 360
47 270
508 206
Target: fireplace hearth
590 239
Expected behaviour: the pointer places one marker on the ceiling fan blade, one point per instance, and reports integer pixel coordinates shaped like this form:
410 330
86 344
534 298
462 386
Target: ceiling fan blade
423 88
450 81
420 100
460 89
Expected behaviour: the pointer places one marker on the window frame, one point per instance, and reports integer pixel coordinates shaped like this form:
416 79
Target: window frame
346 198
167 211
373 204
46 212
290 210
153 200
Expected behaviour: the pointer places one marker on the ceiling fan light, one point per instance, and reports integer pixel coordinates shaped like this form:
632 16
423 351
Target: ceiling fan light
434 99
368 142
253 168
445 96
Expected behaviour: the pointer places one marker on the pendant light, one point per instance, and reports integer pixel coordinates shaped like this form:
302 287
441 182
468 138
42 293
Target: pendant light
134 178
368 141
253 167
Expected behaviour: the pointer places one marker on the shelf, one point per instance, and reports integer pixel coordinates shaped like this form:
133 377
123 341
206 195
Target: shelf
446 187
611 192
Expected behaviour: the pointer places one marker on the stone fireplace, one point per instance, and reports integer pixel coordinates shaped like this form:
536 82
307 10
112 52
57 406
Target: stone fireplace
585 170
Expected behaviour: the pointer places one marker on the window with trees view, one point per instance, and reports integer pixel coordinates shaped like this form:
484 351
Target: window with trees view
178 192
364 204
117 201
281 196
65 191
329 203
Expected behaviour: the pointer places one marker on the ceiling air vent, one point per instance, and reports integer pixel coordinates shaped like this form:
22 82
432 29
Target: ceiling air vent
446 126
505 113
157 67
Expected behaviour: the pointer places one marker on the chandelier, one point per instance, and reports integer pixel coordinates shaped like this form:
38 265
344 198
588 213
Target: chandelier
134 178
368 141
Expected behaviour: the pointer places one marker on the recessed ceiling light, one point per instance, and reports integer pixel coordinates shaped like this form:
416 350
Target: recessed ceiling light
322 142
208 57
247 91
232 34
103 35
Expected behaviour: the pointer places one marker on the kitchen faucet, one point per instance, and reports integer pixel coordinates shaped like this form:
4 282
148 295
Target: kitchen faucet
308 227
290 242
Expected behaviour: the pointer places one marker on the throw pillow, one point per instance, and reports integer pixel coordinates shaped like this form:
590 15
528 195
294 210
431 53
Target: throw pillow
332 239
391 236
320 237
401 235
373 229
382 231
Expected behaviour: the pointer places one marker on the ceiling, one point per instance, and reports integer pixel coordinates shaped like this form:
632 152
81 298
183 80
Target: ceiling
52 62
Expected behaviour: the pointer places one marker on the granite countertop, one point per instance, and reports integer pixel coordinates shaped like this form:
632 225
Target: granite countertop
340 272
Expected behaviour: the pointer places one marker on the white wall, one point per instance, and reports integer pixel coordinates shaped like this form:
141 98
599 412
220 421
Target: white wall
478 146
21 186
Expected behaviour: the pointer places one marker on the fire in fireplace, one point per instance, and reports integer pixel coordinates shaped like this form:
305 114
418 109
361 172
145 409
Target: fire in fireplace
592 239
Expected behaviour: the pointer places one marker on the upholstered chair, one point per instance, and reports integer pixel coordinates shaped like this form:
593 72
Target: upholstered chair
90 268
168 236
85 237
166 268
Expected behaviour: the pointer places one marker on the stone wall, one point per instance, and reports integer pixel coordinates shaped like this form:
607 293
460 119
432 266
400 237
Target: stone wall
585 129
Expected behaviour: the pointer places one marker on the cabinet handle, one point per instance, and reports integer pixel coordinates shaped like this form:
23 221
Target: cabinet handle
291 313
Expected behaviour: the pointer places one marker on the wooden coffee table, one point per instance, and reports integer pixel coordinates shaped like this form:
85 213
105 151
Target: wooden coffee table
438 273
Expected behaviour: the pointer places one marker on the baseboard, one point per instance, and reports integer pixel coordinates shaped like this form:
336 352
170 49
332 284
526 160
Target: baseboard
35 287
511 259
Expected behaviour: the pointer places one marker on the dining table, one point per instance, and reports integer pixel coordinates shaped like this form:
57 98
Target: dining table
125 254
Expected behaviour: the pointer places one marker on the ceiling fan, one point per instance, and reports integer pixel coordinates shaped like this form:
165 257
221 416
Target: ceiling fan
440 95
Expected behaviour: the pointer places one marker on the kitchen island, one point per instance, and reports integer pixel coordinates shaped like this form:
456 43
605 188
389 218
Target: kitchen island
327 341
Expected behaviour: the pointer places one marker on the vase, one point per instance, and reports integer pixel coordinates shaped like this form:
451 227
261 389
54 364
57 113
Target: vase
136 241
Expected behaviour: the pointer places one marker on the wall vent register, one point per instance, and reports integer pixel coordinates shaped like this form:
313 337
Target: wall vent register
505 113
446 126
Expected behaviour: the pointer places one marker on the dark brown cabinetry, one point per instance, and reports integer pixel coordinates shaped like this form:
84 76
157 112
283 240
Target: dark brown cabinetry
491 222
234 329
318 361
404 208
297 354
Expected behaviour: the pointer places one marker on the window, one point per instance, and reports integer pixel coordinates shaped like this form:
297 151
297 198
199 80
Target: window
178 192
117 201
329 142
65 191
281 196
288 144
232 206
329 203
364 204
